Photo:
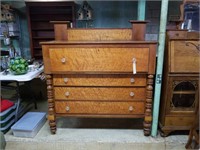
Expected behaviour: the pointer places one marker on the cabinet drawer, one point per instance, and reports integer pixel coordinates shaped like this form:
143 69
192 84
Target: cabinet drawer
90 107
184 57
101 93
179 121
98 59
99 80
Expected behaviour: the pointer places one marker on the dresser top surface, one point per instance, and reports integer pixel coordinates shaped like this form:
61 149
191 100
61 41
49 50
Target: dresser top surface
96 42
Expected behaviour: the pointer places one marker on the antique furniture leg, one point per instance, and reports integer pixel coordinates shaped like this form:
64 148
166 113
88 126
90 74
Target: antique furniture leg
148 112
51 109
193 133
165 133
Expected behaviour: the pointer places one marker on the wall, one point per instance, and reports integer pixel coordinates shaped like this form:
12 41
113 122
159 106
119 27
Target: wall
22 43
111 14
107 14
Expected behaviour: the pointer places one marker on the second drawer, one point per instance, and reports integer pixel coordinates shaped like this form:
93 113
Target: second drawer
99 80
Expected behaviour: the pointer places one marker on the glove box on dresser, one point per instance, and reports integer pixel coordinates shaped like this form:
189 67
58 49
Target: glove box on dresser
180 89
100 73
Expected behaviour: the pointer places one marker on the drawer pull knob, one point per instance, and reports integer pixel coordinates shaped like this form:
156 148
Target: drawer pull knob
132 80
63 60
67 108
132 94
66 94
130 108
66 80
134 66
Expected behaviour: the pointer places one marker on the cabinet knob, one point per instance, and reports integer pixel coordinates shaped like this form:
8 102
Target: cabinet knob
63 60
67 108
132 94
66 80
66 94
130 108
132 80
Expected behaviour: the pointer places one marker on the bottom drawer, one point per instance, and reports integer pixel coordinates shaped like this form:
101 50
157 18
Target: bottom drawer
88 107
179 121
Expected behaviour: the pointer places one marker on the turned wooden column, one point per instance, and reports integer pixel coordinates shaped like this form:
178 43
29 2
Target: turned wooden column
51 108
148 106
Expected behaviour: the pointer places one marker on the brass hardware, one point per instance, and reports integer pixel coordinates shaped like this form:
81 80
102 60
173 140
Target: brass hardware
67 108
132 94
66 80
132 80
63 60
66 94
130 108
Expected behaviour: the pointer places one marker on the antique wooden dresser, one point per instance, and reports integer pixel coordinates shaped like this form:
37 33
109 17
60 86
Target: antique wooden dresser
180 89
100 73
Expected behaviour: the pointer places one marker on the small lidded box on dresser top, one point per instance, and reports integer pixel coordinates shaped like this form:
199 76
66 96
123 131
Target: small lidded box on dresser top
100 73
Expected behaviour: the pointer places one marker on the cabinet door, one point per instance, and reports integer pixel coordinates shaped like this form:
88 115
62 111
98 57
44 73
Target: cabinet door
184 57
184 96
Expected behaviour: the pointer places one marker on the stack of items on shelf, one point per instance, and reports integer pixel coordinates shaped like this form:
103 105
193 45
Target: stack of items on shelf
7 115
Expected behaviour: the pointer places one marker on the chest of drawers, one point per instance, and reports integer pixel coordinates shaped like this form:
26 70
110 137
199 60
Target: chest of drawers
91 77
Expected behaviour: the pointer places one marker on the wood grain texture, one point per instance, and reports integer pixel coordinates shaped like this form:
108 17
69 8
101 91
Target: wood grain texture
92 107
181 65
51 106
99 80
177 122
185 57
92 71
148 110
100 93
99 59
99 34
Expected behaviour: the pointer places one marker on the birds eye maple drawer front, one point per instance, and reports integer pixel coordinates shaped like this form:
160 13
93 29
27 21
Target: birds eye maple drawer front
99 78
99 59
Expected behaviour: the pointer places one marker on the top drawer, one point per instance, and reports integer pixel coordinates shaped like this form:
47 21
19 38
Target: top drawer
184 57
99 59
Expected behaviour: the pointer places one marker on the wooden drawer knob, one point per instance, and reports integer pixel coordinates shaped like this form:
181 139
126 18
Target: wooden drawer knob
130 108
132 80
67 108
66 94
66 80
63 60
132 94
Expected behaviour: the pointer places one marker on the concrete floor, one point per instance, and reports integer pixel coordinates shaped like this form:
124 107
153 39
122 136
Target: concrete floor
93 134
68 138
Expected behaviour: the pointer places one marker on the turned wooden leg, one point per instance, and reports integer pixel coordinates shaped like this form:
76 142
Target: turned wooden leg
148 107
194 134
51 107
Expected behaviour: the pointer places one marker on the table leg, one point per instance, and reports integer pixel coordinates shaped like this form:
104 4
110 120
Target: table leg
18 102
32 95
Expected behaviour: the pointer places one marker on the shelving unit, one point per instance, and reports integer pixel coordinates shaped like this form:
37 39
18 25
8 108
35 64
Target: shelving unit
10 30
39 17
